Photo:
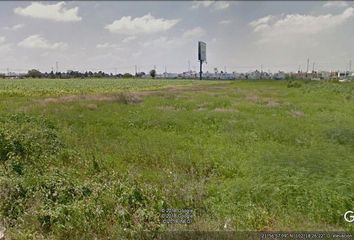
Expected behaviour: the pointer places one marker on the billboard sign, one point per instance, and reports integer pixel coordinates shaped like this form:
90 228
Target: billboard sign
201 51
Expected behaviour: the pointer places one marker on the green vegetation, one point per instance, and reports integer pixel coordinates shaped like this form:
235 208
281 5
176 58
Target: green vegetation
100 158
61 87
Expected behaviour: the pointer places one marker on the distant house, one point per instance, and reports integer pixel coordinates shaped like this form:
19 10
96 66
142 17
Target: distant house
13 75
344 75
190 74
324 75
279 75
254 75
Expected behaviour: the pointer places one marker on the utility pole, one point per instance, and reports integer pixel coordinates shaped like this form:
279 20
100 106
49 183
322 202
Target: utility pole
307 66
313 67
56 66
350 65
136 70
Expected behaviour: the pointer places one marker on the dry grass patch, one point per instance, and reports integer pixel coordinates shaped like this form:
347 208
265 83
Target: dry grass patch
253 98
272 103
127 98
167 108
225 110
200 109
91 106
297 114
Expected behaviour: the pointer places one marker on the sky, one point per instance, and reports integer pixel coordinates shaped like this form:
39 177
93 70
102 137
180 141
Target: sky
124 36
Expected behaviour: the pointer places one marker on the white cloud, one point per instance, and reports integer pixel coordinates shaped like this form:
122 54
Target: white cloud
14 27
37 41
55 12
218 5
336 4
194 33
199 4
141 25
104 45
3 45
106 57
128 39
225 22
165 42
273 28
161 42
109 45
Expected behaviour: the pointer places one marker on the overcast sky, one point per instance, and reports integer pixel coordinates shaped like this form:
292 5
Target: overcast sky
240 36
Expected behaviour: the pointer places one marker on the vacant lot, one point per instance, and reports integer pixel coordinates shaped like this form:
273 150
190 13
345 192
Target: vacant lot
100 158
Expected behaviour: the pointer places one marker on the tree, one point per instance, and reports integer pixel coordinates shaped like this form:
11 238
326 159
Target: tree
34 73
127 75
153 73
51 74
140 74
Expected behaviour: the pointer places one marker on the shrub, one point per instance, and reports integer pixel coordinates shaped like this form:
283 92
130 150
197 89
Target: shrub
25 139
38 195
341 135
294 84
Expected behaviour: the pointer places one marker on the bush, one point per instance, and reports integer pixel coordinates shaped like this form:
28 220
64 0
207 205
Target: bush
294 84
341 135
40 196
25 139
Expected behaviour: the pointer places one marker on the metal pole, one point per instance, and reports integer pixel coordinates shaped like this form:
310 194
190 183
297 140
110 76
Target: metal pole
350 65
201 71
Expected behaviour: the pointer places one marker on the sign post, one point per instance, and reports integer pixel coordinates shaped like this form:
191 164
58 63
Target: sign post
201 57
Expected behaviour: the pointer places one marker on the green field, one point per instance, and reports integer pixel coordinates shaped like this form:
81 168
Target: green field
100 158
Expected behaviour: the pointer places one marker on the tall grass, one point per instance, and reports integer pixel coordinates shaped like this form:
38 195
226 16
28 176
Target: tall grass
243 155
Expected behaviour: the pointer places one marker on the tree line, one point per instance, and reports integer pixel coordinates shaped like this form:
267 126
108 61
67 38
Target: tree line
34 73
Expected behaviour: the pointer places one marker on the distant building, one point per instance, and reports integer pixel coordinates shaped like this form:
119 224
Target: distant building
344 75
279 75
254 75
13 75
324 75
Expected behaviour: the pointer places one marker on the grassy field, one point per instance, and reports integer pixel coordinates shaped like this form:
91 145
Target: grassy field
100 158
